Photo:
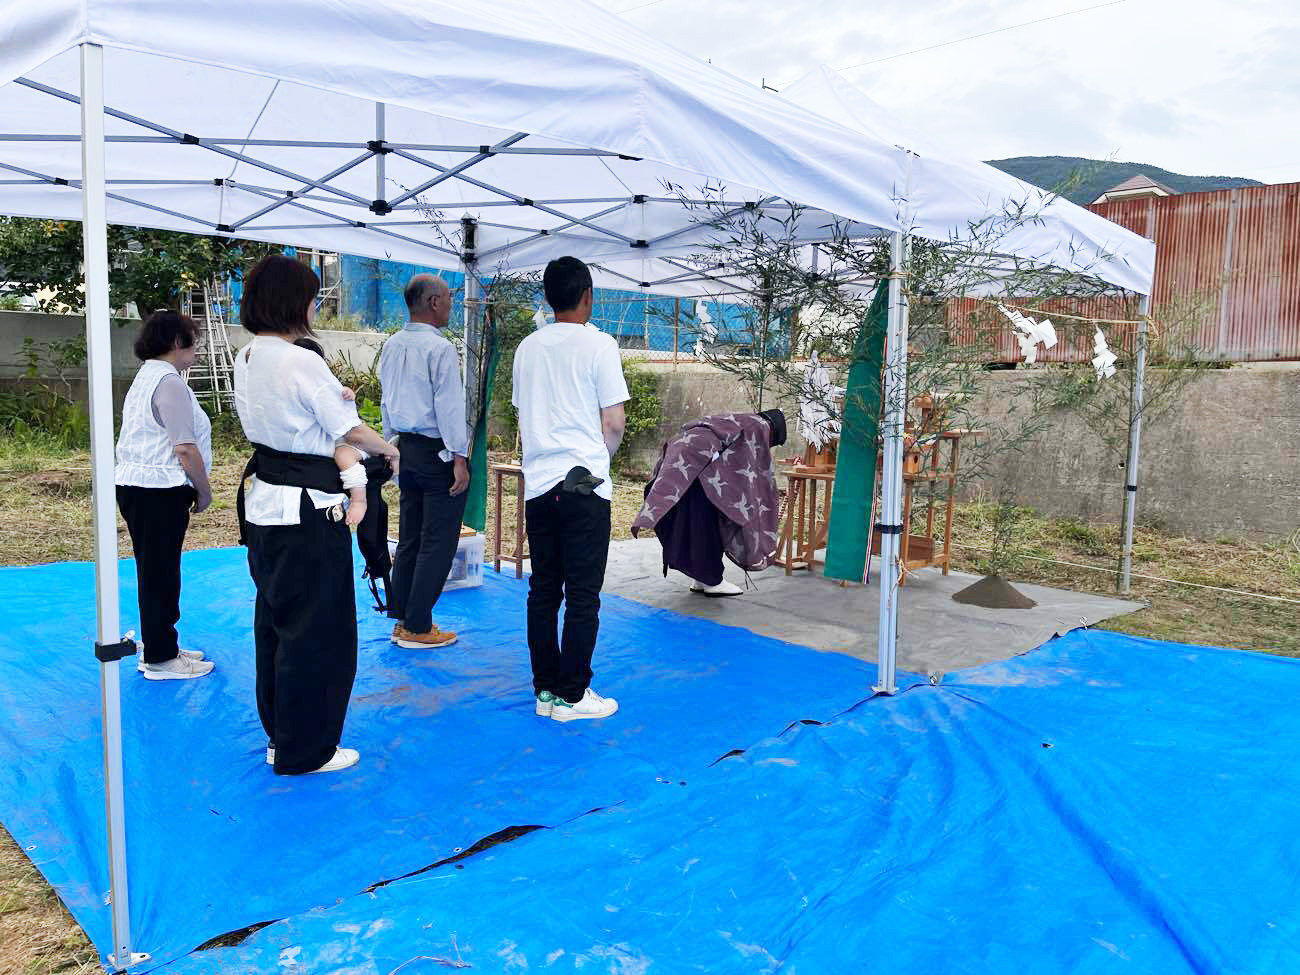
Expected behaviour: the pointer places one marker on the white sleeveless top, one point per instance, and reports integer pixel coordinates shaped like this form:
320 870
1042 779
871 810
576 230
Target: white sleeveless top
145 456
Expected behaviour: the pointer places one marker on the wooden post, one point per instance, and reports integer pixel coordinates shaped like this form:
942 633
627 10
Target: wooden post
520 515
955 463
496 521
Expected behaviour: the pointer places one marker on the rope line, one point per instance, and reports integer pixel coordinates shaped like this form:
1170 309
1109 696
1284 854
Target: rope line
1060 314
1139 575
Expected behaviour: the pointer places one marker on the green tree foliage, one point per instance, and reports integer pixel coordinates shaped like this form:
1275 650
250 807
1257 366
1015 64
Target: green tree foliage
44 405
152 268
644 412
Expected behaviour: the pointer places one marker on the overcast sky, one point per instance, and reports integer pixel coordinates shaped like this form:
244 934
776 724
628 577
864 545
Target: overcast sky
1202 87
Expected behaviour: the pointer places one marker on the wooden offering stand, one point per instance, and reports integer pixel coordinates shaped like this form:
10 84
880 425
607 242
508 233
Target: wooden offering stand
931 462
807 516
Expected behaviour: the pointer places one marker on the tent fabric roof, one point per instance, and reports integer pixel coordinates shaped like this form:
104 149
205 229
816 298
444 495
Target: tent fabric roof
557 126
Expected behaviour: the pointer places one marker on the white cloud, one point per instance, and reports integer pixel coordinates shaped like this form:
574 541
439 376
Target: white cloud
1203 87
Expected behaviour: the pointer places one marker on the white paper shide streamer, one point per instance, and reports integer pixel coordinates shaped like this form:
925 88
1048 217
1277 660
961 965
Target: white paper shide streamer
1030 333
1104 359
708 332
818 425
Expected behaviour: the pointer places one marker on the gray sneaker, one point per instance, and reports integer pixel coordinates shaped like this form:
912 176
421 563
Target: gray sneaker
178 668
545 703
139 658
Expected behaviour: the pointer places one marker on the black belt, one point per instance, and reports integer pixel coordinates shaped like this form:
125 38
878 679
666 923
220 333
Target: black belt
434 443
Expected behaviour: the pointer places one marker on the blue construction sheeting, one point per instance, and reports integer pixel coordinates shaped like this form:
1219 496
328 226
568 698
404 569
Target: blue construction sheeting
1104 804
371 292
451 750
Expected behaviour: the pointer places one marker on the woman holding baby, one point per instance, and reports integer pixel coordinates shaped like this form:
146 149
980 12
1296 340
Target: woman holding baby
292 518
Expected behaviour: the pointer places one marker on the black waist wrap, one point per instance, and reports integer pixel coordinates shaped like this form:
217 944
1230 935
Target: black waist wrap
318 473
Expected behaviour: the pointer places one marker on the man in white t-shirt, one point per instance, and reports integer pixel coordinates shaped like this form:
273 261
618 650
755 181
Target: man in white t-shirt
569 390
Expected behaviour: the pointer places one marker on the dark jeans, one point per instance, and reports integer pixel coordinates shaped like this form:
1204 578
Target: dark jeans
305 628
429 532
157 519
568 541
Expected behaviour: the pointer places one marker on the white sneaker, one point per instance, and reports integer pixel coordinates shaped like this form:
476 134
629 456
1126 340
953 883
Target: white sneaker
723 588
343 758
270 754
178 668
139 659
592 705
545 704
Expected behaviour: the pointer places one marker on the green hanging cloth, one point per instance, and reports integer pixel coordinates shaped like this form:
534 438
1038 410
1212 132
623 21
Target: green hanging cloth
849 534
476 503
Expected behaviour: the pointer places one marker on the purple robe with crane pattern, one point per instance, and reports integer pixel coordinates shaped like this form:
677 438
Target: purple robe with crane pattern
730 455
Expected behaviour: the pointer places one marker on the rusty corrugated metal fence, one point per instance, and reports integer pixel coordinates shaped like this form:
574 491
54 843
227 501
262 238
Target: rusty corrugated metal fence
1231 255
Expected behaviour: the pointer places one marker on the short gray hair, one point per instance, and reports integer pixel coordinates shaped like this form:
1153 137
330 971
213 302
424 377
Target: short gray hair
417 289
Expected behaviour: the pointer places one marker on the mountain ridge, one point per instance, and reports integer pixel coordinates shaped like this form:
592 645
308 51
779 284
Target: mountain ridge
1082 180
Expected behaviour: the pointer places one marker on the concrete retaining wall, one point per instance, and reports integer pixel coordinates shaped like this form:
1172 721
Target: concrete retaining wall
43 329
1226 461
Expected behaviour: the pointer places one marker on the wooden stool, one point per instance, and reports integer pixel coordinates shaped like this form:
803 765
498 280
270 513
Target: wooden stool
499 473
806 520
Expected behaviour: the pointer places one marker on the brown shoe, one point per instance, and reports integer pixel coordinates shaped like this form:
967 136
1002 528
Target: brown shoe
435 639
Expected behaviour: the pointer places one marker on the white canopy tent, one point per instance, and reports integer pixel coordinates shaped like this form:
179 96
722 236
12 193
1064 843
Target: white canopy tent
443 134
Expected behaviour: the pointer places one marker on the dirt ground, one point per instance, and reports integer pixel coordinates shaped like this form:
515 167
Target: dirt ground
45 517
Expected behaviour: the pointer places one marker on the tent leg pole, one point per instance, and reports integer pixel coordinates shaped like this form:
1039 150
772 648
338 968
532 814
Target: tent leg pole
474 352
1134 446
380 181
895 415
100 376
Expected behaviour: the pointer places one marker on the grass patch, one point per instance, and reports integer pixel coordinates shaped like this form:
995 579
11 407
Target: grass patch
37 935
1177 613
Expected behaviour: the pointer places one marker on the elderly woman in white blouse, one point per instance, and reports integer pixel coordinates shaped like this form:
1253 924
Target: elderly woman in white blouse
164 454
292 511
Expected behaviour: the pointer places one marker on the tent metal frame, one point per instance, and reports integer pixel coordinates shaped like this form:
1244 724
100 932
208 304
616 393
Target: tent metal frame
322 190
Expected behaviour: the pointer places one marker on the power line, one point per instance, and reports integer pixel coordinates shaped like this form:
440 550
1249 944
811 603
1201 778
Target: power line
987 33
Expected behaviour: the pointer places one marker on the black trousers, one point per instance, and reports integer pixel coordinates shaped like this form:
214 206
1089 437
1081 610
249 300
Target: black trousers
305 629
429 532
568 541
157 519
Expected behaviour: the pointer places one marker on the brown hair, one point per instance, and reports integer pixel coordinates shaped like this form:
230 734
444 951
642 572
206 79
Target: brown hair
277 293
163 331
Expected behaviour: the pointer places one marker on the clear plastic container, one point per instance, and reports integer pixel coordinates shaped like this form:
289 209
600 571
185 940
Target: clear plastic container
466 568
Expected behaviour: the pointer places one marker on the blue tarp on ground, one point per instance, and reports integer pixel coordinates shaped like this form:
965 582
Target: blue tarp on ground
1104 804
451 751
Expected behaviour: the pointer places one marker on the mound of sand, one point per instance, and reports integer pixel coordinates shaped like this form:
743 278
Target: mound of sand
994 592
